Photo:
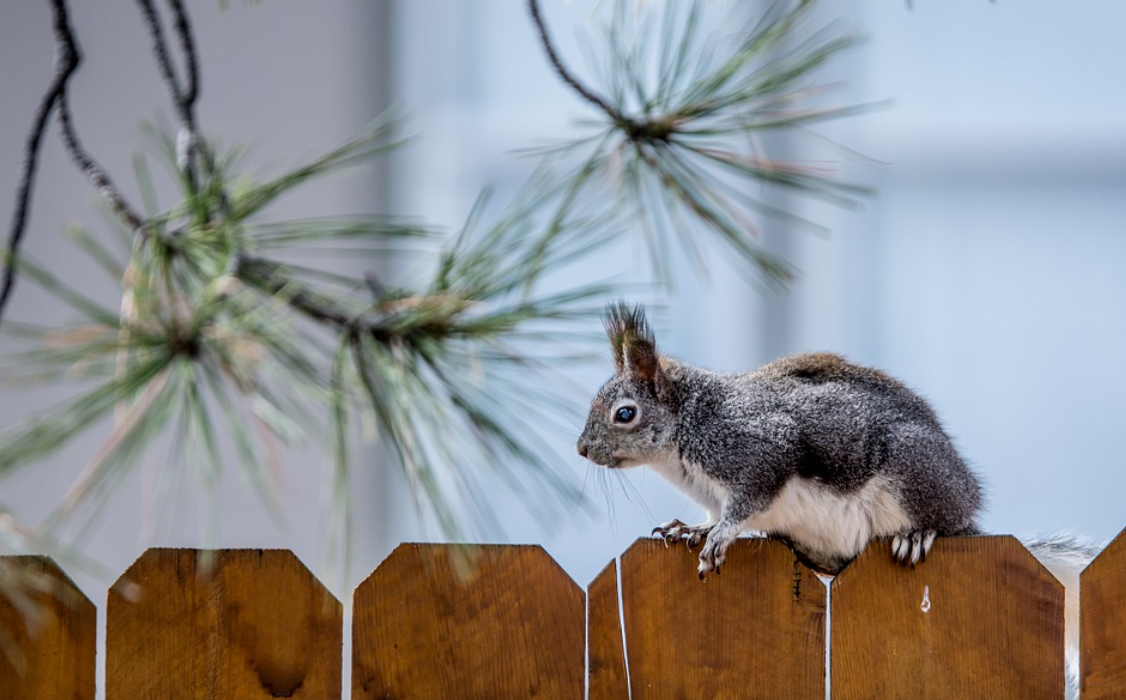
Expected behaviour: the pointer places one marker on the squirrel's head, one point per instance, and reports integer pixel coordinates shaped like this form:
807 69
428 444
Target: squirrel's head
632 419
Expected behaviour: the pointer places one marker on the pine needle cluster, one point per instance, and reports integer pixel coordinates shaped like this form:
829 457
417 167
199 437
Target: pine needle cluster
686 119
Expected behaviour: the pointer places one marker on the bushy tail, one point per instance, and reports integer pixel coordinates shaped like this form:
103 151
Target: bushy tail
1066 557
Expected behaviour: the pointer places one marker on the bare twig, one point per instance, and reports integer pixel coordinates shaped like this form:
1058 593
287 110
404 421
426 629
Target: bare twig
67 59
190 92
557 63
92 170
189 95
183 96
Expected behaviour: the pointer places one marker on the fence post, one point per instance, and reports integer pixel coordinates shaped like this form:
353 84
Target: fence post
236 623
468 621
47 651
980 618
1102 628
755 631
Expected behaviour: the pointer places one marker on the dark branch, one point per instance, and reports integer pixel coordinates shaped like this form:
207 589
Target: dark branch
272 278
557 63
268 277
67 59
92 170
160 50
189 95
183 97
190 92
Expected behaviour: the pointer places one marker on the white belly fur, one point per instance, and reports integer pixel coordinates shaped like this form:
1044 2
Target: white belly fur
825 521
691 480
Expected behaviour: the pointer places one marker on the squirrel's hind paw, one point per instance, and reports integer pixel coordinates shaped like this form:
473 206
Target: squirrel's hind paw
910 548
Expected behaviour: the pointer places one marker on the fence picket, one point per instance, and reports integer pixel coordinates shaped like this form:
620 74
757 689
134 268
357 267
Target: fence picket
755 631
243 623
471 621
1102 629
981 618
50 654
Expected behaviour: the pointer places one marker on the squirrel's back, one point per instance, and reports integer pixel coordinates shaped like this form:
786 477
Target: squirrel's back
822 367
826 381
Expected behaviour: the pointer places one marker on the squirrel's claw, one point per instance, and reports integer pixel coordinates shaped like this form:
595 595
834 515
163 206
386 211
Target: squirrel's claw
675 530
910 548
669 531
712 556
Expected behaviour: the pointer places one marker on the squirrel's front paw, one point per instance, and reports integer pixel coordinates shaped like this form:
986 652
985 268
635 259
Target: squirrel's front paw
712 556
909 548
677 531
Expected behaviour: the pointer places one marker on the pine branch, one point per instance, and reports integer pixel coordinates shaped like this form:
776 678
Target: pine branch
681 143
268 277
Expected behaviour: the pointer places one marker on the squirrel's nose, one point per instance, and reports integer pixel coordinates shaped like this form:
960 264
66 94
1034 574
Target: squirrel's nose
582 449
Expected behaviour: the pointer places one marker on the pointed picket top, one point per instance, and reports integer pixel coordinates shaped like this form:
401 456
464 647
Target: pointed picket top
233 623
757 630
1102 621
48 647
495 621
981 617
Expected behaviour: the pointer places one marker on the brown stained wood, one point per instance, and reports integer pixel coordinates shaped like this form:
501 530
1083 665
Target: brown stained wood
246 624
980 618
606 658
49 655
1102 627
757 630
468 621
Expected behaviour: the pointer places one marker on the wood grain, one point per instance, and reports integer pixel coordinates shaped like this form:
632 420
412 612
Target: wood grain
755 631
980 618
49 655
605 656
239 624
1102 627
475 621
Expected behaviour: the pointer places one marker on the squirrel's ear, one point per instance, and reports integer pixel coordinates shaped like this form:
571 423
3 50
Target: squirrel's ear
632 342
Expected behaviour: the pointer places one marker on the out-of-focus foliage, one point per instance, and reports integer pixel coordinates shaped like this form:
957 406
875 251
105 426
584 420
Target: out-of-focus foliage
687 117
232 334
221 339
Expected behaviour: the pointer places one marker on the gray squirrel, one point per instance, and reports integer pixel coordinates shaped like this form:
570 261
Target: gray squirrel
811 449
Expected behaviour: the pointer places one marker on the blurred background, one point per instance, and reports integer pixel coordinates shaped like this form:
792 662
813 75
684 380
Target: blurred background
986 273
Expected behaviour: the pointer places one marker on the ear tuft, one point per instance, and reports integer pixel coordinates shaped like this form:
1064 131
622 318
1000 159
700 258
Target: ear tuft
632 342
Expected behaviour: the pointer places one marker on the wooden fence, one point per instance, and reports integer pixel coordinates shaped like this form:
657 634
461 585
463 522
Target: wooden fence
980 619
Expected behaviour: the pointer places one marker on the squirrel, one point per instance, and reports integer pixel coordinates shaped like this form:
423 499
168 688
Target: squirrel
812 449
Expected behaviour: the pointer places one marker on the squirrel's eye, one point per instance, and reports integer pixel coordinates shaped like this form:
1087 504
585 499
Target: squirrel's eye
625 414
